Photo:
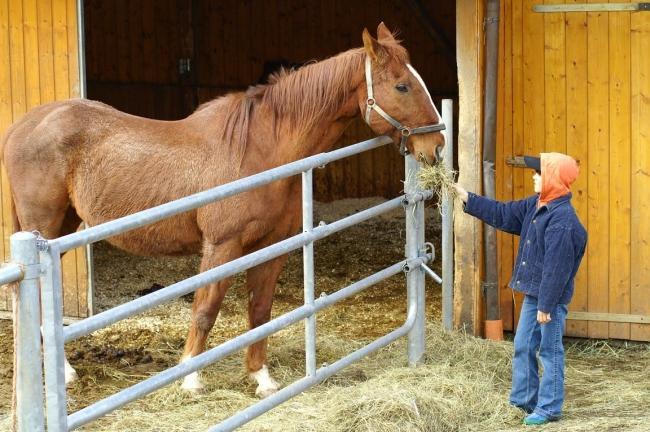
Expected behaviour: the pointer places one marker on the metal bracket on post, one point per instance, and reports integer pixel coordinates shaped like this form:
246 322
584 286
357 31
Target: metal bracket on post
41 243
30 409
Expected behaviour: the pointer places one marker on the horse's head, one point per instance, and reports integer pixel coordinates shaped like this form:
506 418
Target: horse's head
396 101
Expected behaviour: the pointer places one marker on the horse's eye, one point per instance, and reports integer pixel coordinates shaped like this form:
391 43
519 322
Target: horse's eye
402 88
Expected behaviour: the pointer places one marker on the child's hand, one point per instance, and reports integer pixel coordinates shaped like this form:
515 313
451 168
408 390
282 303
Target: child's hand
462 193
543 317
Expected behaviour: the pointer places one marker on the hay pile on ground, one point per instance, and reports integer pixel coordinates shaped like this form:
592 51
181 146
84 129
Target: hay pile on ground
460 386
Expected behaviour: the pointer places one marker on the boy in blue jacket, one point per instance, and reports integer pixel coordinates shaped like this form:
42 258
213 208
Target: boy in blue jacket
552 244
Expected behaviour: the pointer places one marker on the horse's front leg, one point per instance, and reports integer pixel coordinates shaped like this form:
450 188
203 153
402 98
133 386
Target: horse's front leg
261 281
207 301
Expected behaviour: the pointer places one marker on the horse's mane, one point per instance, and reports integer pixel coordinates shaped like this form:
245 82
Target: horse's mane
301 96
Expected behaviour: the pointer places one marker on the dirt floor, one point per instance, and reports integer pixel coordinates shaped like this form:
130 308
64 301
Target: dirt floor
123 354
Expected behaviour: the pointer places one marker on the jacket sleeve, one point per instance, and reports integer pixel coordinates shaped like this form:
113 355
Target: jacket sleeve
506 216
559 259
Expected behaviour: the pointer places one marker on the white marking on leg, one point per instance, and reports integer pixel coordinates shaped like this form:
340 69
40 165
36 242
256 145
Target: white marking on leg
68 371
266 385
70 374
192 383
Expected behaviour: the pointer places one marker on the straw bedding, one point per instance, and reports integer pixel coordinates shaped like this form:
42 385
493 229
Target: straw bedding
462 385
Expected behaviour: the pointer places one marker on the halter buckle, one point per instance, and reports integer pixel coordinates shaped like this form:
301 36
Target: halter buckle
406 132
370 101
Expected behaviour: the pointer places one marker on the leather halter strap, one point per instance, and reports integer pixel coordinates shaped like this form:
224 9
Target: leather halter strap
371 105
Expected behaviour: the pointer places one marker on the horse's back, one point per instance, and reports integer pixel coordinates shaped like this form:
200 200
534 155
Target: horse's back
103 164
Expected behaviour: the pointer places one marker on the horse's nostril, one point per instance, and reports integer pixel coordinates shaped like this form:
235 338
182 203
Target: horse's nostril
438 153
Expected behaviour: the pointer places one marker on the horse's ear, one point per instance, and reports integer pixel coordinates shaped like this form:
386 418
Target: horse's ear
371 45
383 34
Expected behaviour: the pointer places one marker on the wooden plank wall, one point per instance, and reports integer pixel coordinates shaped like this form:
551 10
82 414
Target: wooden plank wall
39 64
578 83
133 52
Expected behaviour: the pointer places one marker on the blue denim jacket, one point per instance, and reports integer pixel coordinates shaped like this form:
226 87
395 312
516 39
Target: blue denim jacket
552 244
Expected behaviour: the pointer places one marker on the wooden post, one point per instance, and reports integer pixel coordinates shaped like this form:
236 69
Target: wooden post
467 295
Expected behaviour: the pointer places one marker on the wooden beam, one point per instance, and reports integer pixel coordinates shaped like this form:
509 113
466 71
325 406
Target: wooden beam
592 7
609 317
467 230
6 315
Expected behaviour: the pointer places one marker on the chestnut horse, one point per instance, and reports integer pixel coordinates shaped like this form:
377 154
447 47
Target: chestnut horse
80 160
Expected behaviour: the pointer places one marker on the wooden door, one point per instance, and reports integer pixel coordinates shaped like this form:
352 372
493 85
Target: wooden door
578 83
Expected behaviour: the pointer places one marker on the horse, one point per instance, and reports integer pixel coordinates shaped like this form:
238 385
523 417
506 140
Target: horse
81 160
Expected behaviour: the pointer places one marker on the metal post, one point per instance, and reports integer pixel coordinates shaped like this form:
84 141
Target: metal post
30 415
448 221
415 277
51 293
308 272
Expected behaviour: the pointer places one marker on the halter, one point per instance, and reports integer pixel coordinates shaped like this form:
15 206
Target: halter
406 131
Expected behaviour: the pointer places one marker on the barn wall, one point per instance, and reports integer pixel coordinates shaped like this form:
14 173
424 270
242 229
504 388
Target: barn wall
133 52
38 64
578 83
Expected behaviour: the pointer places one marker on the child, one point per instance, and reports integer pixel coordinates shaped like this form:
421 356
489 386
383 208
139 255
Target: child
552 244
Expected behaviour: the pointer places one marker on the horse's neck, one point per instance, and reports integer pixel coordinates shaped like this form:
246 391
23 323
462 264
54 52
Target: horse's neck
325 134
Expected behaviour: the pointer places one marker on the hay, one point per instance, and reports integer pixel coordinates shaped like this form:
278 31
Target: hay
463 384
440 180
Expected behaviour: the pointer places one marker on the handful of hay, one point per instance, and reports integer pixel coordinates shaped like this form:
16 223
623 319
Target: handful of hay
440 179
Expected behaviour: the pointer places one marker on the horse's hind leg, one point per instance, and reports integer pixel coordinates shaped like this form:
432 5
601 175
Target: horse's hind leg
261 281
40 210
58 221
207 301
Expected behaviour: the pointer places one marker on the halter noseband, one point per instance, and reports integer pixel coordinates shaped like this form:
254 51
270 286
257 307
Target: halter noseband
405 131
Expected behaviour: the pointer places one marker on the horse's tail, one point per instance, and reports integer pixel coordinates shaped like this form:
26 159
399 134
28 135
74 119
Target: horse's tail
3 142
5 138
14 216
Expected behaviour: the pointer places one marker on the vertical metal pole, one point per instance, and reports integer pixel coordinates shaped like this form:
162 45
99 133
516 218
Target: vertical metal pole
308 272
81 43
30 415
51 293
415 277
83 93
448 222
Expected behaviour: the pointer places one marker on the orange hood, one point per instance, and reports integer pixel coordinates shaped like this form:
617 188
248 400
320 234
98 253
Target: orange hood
559 171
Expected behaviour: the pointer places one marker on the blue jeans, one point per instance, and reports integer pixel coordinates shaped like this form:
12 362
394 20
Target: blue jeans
528 393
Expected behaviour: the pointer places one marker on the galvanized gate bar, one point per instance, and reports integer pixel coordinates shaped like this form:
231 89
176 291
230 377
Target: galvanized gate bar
259 408
10 272
186 286
206 358
29 414
308 271
54 355
416 256
448 221
197 200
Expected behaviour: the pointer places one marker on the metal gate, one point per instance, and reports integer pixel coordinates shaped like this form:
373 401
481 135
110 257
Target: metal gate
34 258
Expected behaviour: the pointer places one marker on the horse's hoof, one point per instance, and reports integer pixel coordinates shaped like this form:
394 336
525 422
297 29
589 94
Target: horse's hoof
192 384
263 393
266 384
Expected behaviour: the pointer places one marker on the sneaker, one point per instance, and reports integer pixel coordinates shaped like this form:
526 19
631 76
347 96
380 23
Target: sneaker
535 419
